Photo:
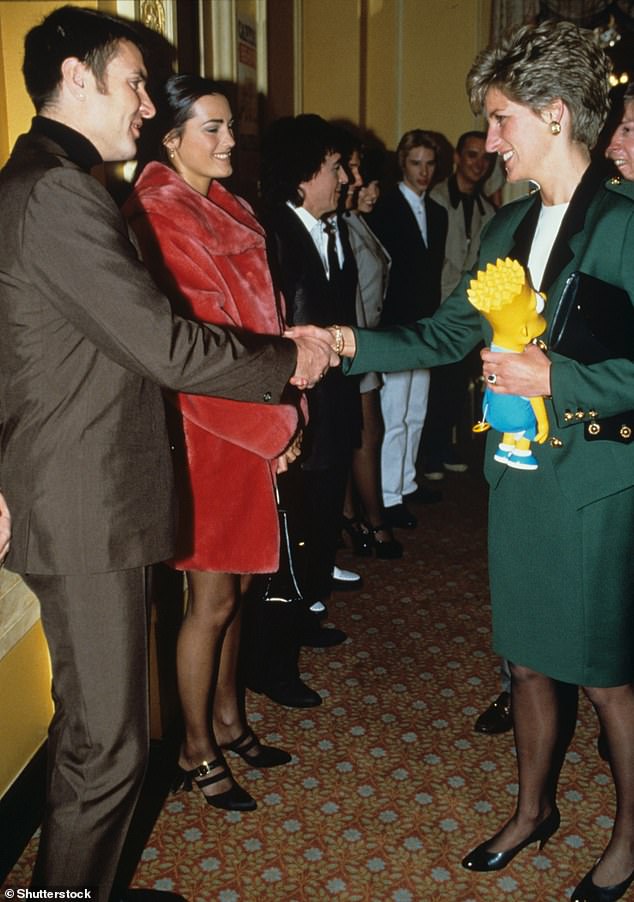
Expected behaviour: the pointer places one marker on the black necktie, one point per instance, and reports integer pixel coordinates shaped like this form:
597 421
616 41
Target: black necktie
331 251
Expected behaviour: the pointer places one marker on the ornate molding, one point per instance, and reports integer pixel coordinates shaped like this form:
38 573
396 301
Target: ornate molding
152 14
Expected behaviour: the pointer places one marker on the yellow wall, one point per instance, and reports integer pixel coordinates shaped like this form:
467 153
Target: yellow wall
16 18
331 47
392 65
25 703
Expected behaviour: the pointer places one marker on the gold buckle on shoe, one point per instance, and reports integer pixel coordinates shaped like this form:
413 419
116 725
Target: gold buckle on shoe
202 770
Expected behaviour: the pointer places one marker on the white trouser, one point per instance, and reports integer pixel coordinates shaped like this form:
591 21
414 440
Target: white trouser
404 406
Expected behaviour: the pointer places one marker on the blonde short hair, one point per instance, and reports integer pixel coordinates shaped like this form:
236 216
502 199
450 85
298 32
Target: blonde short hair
537 64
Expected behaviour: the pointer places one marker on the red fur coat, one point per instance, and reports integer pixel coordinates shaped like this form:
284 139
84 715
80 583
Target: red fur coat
208 255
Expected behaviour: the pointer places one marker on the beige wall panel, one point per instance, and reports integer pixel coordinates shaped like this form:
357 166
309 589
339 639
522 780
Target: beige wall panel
440 41
392 65
382 70
281 59
331 42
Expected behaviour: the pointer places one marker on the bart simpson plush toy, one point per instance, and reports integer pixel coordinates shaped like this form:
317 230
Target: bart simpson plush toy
504 297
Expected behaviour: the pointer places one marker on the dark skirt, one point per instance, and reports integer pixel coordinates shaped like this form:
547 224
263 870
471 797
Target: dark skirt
562 580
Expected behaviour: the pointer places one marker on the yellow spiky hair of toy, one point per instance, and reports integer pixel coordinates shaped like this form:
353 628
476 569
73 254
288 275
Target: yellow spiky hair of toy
498 285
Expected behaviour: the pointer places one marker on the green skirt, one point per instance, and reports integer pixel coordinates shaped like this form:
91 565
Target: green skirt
562 580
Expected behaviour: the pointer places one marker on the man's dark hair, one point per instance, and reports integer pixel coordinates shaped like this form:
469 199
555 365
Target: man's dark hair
462 140
293 150
91 36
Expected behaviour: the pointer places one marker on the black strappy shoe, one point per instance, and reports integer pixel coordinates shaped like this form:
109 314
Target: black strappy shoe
267 756
234 799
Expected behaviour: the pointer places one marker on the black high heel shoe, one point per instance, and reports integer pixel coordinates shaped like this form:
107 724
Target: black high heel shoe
588 891
268 756
234 799
480 859
388 550
359 537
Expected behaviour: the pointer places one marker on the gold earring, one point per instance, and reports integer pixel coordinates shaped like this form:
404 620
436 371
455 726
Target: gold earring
555 128
170 154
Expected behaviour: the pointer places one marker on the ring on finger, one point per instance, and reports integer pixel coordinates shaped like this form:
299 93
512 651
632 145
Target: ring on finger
492 378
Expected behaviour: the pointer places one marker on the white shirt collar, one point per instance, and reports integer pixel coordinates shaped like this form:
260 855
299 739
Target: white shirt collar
307 219
410 196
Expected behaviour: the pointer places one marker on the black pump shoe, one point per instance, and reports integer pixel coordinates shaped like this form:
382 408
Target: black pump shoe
588 891
481 859
234 799
359 537
388 550
266 756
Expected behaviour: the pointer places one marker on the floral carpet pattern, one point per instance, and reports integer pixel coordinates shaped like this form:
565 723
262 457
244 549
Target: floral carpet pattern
389 786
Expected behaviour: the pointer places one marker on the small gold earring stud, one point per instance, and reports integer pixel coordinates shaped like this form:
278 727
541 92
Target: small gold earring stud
555 128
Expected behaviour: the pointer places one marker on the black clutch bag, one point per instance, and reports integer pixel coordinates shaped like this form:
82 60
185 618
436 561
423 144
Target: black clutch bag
593 321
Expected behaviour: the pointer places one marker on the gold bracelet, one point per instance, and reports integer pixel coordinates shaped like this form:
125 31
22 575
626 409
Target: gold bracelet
340 343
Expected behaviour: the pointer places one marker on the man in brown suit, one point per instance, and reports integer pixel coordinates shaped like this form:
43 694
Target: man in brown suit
87 343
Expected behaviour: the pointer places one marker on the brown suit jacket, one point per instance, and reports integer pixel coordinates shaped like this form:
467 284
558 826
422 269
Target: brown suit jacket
87 342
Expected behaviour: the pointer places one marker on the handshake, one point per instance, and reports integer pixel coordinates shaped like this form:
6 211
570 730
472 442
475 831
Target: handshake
317 350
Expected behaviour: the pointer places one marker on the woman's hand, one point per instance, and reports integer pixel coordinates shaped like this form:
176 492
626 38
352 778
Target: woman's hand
5 528
340 338
526 374
290 455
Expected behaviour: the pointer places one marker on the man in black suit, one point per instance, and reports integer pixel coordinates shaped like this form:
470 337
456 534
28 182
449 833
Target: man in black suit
413 230
313 267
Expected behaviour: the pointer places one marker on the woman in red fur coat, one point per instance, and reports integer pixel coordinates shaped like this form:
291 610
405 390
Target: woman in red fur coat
207 252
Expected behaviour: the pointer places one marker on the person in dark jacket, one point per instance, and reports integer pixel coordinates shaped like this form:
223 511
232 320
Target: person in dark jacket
413 229
313 268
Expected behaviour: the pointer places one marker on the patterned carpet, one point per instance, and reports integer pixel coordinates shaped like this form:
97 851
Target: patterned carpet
389 786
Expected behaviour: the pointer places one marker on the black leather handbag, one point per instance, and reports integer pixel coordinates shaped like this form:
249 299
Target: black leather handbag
594 321
283 586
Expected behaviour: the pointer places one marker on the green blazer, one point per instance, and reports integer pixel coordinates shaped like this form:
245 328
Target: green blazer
596 237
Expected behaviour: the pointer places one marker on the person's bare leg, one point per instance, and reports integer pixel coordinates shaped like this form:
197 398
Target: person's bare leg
615 709
213 600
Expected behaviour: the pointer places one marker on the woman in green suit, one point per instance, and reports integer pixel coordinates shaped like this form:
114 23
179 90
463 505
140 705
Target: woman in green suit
561 536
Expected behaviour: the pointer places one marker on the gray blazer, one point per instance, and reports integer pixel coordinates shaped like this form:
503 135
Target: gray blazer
87 342
373 268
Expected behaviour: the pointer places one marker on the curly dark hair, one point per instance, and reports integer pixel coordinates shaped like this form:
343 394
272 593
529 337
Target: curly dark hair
293 150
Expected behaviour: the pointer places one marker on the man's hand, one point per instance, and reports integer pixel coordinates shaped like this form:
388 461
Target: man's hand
5 528
290 455
315 354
